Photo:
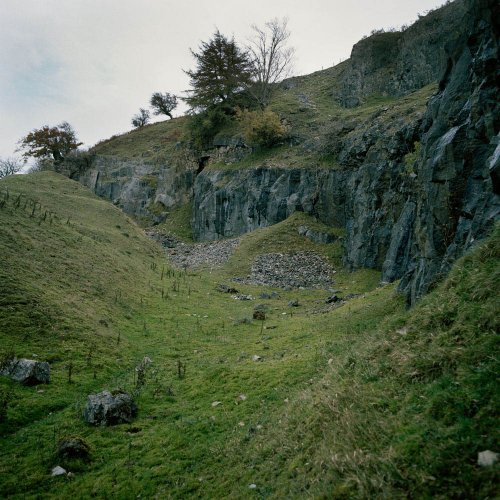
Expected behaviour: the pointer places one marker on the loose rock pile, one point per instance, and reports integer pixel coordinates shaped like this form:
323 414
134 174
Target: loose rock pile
165 240
285 270
214 253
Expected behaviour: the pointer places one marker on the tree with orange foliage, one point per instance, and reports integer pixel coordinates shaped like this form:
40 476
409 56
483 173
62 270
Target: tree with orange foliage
50 142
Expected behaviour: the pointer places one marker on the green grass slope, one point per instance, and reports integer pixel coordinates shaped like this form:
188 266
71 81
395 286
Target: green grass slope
363 400
401 410
150 143
72 275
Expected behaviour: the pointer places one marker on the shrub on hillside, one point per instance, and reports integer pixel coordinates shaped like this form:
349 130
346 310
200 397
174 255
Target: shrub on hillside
262 128
204 126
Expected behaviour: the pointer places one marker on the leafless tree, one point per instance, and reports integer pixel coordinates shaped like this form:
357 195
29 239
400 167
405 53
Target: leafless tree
9 166
141 118
272 59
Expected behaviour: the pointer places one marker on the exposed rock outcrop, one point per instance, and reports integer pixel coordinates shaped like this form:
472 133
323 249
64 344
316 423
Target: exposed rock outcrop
413 184
408 210
139 188
398 62
455 199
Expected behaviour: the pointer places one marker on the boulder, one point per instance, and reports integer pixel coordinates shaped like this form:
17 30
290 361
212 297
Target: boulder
58 471
272 295
332 299
226 289
316 236
73 447
487 458
27 371
106 408
261 307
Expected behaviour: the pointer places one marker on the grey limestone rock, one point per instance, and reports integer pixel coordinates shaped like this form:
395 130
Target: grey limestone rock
58 471
27 371
487 458
140 188
221 287
316 236
333 299
106 408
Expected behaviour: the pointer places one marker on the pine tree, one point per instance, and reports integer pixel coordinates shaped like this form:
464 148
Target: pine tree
223 71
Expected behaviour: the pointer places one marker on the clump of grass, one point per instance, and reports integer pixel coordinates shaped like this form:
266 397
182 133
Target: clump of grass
178 223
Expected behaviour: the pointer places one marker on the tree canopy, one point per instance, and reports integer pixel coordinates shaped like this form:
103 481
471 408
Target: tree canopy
163 104
50 142
140 119
222 71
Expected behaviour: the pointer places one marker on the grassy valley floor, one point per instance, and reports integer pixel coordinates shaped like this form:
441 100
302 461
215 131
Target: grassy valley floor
362 400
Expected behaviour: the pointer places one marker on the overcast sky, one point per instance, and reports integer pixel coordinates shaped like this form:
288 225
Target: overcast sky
94 63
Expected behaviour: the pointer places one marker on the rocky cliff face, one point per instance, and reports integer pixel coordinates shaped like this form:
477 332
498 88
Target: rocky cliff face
365 193
413 191
414 184
141 189
394 63
455 199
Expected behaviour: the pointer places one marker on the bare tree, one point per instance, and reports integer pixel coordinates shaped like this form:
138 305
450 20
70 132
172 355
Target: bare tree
9 166
272 59
141 118
163 104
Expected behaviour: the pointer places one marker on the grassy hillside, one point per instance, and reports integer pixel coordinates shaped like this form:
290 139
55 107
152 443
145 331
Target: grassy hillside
73 272
363 400
401 408
150 143
307 106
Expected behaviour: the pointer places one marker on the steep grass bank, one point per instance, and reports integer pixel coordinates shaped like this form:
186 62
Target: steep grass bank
73 272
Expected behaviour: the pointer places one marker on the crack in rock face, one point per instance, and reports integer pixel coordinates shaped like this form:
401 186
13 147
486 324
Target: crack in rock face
285 270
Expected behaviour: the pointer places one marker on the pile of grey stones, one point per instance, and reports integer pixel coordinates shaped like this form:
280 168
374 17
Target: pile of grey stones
290 270
214 253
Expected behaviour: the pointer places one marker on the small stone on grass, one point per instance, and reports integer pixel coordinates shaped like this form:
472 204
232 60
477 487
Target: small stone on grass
58 471
487 458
